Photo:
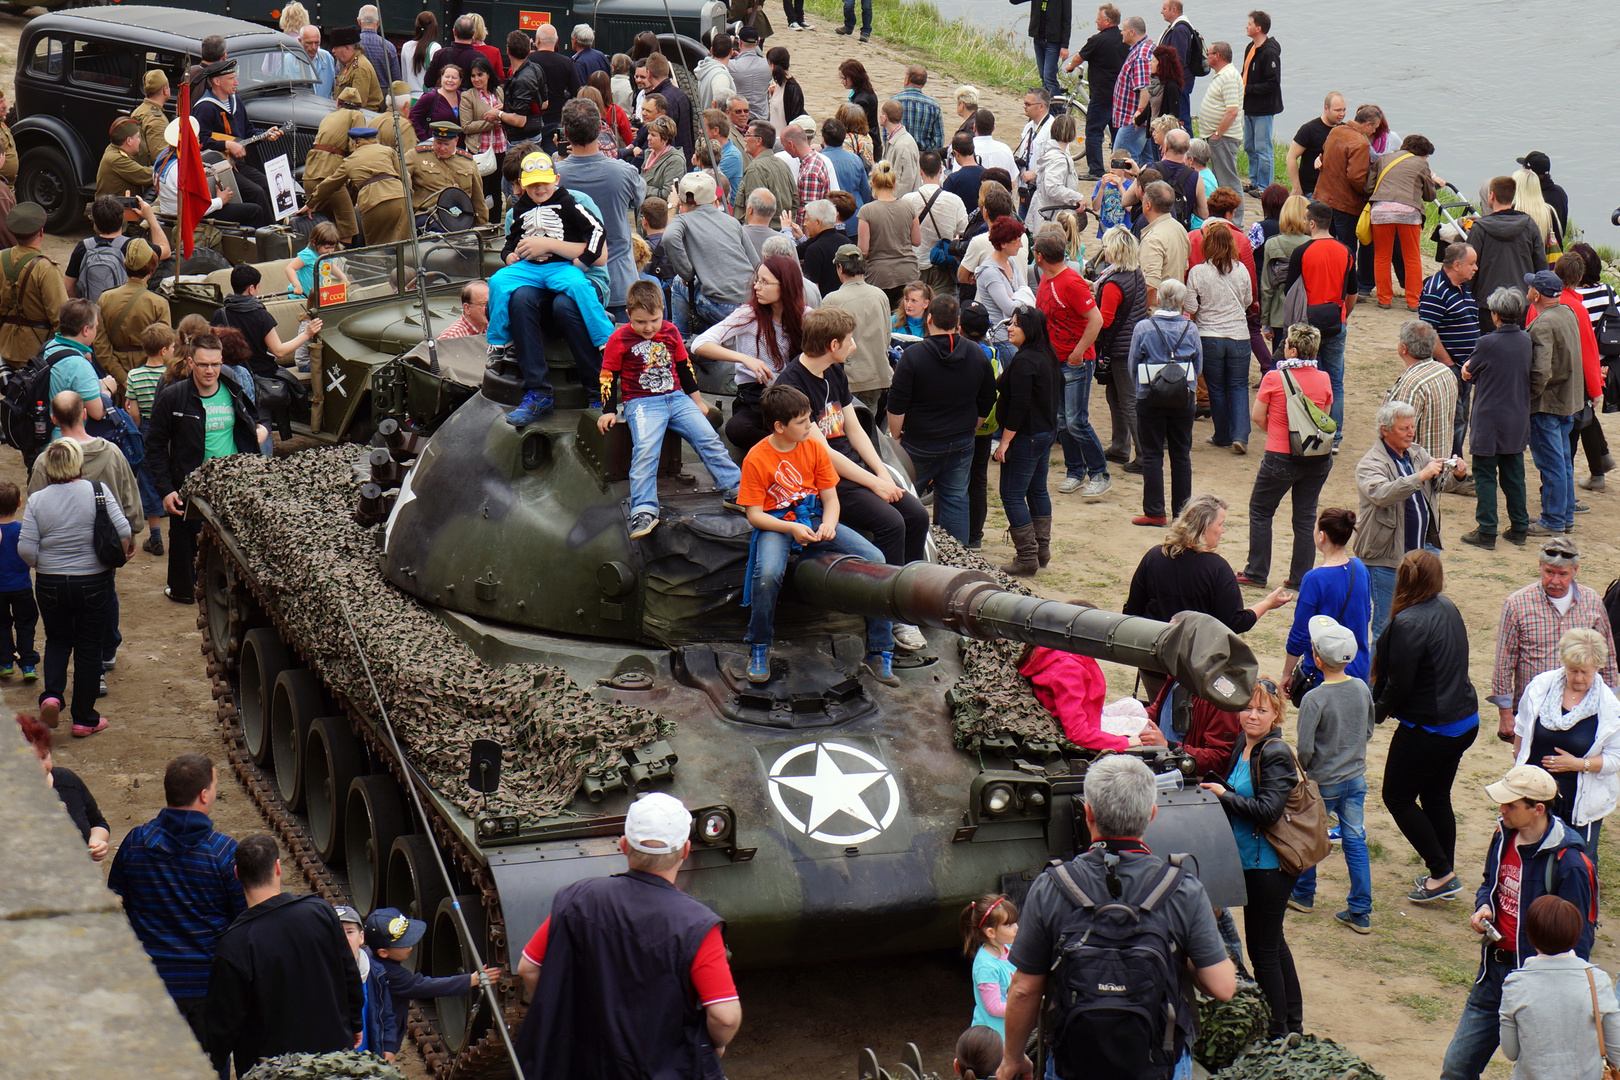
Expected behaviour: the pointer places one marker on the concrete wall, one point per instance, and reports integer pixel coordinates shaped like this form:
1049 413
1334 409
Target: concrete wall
80 998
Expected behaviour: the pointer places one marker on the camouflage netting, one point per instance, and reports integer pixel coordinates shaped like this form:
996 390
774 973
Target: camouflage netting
1226 1027
992 699
343 1065
1311 1059
294 520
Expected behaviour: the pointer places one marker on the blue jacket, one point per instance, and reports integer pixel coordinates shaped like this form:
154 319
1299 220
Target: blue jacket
383 1030
177 876
1572 874
404 985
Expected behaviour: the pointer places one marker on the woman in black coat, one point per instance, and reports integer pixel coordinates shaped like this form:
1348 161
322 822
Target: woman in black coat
1026 407
1499 371
1259 776
1420 677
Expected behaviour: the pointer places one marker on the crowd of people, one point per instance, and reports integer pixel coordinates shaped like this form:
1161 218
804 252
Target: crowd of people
880 271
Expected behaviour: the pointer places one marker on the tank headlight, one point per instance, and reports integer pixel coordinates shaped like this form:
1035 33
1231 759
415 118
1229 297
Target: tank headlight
998 798
714 826
1035 798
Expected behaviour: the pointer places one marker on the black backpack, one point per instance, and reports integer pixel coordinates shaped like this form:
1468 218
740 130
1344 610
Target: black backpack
1197 55
1183 209
1172 387
1116 987
25 401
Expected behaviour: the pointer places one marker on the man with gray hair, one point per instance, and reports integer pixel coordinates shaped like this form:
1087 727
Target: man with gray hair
823 239
1425 384
1131 88
760 213
708 244
1120 794
379 50
1447 304
1534 618
1182 175
588 59
1499 372
1398 508
1220 118
1166 248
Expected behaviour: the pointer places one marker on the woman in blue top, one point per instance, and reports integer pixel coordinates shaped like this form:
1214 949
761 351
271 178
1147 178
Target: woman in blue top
1341 589
1260 774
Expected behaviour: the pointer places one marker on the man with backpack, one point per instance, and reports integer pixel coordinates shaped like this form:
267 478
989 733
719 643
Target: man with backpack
1110 935
97 262
129 309
1189 45
1184 179
942 215
32 291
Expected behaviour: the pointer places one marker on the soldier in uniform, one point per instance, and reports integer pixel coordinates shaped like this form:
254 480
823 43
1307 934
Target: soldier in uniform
373 171
331 147
128 310
353 67
222 121
440 166
119 174
8 170
31 288
398 105
150 115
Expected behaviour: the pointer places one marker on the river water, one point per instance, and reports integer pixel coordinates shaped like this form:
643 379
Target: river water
1486 81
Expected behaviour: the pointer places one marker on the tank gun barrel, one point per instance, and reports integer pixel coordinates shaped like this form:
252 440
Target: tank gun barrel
1197 649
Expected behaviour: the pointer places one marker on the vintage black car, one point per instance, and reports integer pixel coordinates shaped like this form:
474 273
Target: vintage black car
77 70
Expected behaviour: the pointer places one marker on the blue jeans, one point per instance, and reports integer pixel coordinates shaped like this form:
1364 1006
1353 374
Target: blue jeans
1549 449
1226 373
683 309
771 558
563 277
866 15
1130 139
946 463
1046 63
1099 117
1257 141
649 418
1479 1029
151 501
1382 580
1023 478
1347 800
535 312
1082 450
1330 358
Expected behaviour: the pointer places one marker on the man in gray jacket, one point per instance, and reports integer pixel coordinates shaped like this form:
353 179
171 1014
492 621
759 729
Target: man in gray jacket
1557 393
1509 245
706 244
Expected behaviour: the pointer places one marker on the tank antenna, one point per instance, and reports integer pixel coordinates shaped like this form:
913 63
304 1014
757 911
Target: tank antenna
438 859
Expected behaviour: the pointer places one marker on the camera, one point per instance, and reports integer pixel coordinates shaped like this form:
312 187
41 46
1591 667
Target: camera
1614 218
129 203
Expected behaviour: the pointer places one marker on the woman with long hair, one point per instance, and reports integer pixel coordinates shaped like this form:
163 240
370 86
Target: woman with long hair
417 53
1259 777
614 118
1026 407
1527 198
888 235
1420 677
1169 77
1218 295
761 337
857 133
443 102
1271 264
1121 292
787 96
852 73
481 127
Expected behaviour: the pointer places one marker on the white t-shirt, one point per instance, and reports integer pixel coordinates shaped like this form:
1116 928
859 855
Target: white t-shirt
995 154
1563 603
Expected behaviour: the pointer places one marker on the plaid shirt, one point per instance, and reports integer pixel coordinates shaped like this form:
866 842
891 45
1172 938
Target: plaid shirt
814 183
462 327
1431 389
1527 640
384 58
919 114
1132 77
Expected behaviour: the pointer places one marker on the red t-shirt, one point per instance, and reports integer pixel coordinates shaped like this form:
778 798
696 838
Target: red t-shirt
711 974
1065 300
1325 266
635 367
772 479
1316 386
1509 872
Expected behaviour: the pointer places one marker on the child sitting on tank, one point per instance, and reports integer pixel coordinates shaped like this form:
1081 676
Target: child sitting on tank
549 231
1073 689
647 373
391 937
789 491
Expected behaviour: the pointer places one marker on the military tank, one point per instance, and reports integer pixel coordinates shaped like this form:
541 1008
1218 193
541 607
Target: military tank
480 586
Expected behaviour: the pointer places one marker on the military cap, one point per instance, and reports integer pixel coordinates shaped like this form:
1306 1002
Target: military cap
399 88
219 68
342 35
362 133
445 129
138 254
122 128
154 81
349 96
26 219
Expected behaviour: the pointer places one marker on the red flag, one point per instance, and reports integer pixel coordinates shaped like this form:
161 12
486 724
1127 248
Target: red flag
194 197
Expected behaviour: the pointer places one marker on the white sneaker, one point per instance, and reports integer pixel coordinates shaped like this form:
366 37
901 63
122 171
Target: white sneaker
1096 488
909 638
1070 485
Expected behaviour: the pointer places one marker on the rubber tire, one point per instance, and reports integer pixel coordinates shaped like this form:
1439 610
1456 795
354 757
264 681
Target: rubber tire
216 582
296 701
449 958
414 886
45 176
374 817
264 658
333 757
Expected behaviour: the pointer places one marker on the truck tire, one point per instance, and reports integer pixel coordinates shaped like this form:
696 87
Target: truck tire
45 177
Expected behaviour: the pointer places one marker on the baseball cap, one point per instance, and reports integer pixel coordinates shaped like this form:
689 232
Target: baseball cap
537 169
848 254
1545 282
657 824
388 928
974 318
1523 782
698 188
347 914
1332 642
1536 162
748 33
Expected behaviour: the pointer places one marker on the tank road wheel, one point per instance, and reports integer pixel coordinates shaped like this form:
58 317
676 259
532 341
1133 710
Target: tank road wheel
373 818
332 759
218 583
264 658
294 704
414 886
464 1017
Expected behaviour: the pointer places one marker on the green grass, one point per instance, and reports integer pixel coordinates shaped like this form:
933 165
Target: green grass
1428 1008
994 59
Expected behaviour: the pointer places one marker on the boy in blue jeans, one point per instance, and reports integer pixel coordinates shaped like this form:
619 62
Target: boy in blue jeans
549 231
19 614
645 367
789 490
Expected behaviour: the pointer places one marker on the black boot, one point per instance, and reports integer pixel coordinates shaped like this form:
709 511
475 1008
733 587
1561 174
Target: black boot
1043 539
1025 562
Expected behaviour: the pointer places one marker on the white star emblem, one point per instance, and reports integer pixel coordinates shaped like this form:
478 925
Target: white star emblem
833 789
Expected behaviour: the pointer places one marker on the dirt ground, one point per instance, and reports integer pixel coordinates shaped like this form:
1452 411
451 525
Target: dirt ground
1393 997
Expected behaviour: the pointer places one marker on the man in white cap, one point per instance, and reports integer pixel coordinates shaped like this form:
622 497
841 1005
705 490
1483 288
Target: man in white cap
705 243
1531 847
629 973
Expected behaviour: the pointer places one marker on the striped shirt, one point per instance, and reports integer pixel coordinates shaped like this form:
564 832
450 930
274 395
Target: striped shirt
1527 640
1453 313
1132 78
1596 300
1430 388
920 115
142 385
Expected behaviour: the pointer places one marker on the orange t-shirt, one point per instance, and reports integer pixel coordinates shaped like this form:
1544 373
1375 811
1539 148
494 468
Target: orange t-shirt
773 479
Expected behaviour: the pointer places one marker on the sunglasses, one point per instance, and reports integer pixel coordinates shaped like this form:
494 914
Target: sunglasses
1267 685
1559 552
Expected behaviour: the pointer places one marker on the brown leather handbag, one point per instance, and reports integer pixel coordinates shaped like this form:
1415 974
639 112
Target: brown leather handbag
1300 836
1610 1072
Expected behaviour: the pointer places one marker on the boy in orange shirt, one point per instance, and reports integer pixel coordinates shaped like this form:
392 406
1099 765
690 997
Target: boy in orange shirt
789 490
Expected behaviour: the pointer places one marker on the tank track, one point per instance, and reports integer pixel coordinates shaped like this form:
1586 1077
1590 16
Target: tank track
486 1057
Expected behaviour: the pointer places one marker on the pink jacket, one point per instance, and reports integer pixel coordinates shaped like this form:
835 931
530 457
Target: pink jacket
1073 689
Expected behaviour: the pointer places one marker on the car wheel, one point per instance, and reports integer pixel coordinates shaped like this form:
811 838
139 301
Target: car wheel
46 178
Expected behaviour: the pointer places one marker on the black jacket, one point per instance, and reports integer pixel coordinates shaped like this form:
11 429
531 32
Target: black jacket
1027 391
1049 20
176 441
1273 775
1262 93
1104 53
942 386
1422 663
283 981
1509 246
525 90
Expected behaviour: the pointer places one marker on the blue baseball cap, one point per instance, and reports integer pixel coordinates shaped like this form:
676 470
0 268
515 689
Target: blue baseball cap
388 928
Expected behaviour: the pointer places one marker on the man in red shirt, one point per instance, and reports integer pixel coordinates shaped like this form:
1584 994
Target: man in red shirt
1330 283
1072 323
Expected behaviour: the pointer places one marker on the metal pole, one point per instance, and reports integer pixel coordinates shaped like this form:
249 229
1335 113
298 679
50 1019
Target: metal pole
416 240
